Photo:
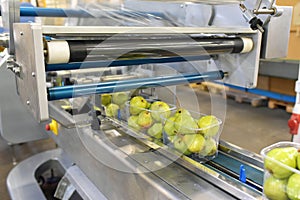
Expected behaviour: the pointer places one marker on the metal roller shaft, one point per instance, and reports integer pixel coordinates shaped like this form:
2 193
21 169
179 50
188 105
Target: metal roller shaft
116 63
145 48
66 92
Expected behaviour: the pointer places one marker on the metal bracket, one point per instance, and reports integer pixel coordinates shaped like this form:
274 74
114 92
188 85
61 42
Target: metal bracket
31 81
10 10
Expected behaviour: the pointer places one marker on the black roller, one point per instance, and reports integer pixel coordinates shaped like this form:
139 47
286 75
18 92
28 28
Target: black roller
151 48
124 48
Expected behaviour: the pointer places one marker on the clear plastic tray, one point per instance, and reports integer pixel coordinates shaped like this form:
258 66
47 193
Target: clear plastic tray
281 181
124 115
207 137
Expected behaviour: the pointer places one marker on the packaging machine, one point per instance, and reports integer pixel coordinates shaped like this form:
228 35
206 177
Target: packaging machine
71 66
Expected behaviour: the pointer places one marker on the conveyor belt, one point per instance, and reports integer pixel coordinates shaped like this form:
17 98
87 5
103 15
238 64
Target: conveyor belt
231 166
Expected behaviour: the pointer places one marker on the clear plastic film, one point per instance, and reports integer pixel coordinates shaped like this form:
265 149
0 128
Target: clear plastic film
217 2
117 15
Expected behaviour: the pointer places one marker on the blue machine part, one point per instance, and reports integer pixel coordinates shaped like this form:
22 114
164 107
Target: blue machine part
235 166
125 85
243 176
273 95
27 10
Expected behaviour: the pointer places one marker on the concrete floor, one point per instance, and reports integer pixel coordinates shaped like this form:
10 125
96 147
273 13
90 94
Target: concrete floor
248 127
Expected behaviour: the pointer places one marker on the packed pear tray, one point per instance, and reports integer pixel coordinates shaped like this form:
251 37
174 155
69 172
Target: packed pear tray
190 133
281 171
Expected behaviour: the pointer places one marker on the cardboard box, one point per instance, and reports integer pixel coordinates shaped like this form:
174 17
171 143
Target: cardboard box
294 46
282 86
263 82
294 43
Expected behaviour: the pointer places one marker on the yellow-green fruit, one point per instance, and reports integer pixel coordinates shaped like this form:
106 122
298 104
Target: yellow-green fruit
155 130
298 160
148 105
275 189
169 127
172 138
185 124
210 147
209 125
106 99
194 142
112 110
180 145
160 109
284 155
145 120
158 142
187 152
181 111
132 122
119 98
293 187
137 105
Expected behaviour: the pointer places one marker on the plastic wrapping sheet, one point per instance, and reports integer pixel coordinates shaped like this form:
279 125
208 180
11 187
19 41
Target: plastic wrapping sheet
214 2
117 15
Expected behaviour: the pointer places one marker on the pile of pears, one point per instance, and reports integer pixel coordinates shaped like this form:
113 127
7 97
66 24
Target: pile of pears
190 135
114 102
282 183
147 116
179 129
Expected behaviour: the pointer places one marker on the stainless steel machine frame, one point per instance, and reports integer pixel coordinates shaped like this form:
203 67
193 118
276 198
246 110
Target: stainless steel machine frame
32 68
116 162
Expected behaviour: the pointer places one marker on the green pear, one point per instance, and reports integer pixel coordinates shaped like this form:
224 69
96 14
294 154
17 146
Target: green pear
112 110
160 109
169 127
284 155
120 98
293 187
172 138
145 120
181 111
155 130
158 142
132 122
185 124
187 152
137 105
194 142
106 99
148 105
298 160
180 145
209 125
275 189
210 147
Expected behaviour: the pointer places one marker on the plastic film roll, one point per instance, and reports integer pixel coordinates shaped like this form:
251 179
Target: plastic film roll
248 45
143 47
58 52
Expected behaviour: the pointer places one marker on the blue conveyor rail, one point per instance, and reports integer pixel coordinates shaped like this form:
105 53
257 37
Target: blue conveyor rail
270 94
231 166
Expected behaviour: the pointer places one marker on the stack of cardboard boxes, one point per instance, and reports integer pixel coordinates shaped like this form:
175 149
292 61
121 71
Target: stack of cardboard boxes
283 85
294 44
